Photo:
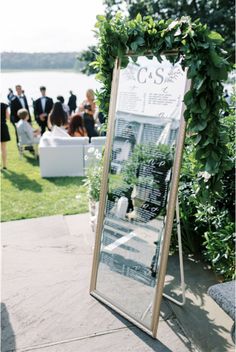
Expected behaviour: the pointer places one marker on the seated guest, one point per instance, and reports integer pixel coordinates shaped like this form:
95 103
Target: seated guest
65 107
57 120
26 134
76 126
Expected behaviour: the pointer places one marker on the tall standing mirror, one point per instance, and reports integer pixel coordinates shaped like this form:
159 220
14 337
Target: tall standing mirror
139 186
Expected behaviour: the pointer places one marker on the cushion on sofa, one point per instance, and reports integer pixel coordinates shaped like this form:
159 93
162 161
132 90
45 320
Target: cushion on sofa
98 140
51 141
70 141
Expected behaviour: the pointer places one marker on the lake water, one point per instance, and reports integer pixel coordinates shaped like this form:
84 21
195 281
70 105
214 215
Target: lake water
56 82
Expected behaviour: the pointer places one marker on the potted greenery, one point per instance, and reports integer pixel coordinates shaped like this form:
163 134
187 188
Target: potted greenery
93 185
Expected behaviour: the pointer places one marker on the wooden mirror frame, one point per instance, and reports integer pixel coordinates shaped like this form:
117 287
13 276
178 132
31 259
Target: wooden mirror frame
169 215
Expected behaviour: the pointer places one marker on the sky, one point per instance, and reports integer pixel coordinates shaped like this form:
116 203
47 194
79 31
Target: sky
48 25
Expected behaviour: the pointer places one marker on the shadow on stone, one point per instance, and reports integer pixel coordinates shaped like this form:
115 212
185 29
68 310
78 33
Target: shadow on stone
154 344
194 316
8 343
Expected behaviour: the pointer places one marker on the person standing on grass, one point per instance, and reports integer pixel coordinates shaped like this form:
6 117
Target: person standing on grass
88 108
5 136
18 101
42 108
72 102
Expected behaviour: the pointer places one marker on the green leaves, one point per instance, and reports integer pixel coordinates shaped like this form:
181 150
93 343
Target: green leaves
203 103
202 56
139 41
188 98
215 37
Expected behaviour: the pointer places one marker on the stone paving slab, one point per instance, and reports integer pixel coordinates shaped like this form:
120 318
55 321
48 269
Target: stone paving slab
203 321
46 303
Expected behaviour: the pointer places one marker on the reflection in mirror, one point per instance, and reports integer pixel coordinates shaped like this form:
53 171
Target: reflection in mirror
147 121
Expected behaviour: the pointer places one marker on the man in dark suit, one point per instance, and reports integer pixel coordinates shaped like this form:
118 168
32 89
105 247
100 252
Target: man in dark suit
72 102
42 108
18 102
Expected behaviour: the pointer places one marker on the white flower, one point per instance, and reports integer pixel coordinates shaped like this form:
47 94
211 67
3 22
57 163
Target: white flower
205 175
91 150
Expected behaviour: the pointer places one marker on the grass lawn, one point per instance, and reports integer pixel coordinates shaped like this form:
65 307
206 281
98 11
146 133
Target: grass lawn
24 194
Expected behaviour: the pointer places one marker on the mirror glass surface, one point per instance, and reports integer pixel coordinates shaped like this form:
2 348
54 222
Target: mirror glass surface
146 124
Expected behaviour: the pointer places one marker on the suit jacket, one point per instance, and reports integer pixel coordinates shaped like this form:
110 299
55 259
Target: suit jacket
38 109
16 105
72 102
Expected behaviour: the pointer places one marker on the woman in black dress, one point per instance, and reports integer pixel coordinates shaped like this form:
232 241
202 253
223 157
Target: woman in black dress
5 136
88 107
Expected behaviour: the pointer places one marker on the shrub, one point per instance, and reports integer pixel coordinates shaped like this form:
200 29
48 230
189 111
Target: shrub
220 248
93 181
207 216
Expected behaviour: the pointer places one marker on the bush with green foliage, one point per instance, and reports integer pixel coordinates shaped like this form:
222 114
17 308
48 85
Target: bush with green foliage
86 57
93 181
207 219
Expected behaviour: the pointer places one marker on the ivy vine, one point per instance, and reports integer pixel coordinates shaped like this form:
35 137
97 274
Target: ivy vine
200 50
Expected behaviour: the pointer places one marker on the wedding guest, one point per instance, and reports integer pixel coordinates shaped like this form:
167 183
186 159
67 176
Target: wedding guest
42 108
88 107
72 102
5 136
10 95
57 120
27 135
76 126
65 107
18 101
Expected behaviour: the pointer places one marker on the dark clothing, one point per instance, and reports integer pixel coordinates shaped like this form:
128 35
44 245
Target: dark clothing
5 136
16 105
10 96
72 103
38 110
101 117
89 123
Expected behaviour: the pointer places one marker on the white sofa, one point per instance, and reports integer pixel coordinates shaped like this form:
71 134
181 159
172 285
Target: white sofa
68 156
